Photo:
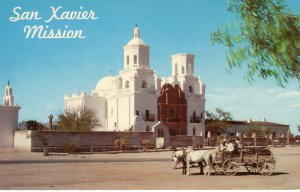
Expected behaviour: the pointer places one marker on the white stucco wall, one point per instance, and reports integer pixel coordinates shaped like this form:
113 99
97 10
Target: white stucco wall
22 139
95 103
8 124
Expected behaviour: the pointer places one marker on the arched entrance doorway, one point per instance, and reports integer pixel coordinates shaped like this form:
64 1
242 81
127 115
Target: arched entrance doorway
162 135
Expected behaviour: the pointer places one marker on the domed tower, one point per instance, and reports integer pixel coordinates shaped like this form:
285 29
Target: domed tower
9 114
136 52
8 99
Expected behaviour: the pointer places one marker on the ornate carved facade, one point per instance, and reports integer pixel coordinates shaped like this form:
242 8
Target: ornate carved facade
172 109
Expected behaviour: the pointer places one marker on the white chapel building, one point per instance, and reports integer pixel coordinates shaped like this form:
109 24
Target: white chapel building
137 99
9 114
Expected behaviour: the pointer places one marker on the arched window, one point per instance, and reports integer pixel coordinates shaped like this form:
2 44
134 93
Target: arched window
176 70
191 89
194 131
182 69
135 59
119 83
127 60
144 84
147 128
126 84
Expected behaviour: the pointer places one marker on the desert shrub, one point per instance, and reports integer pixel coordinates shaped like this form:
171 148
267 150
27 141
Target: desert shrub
121 144
68 147
146 144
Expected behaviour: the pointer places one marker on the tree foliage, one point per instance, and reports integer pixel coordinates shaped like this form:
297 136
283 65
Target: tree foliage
82 119
266 38
34 125
217 123
260 131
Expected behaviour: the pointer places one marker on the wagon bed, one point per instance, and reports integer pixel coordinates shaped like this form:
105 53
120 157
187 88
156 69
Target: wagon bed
255 159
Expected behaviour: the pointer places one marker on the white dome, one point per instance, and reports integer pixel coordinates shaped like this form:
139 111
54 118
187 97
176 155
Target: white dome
105 84
136 41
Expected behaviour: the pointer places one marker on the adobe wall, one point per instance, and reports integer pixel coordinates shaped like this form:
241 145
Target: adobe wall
183 141
88 141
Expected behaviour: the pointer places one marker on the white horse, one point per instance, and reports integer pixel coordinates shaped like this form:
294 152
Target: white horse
177 157
199 157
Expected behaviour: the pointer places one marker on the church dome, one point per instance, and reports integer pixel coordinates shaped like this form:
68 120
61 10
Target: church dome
136 40
105 83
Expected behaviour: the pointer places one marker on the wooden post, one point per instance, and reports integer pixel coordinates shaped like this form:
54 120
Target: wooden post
288 137
50 121
254 138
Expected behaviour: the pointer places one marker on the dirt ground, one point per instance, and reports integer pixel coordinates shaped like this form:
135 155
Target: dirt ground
21 169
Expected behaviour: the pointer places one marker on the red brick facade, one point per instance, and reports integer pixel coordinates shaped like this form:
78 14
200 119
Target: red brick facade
172 109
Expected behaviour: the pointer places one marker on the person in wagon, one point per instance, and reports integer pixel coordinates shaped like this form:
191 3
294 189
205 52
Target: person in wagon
230 146
223 145
238 143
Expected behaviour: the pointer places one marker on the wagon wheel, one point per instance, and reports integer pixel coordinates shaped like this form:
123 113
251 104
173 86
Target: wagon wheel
230 167
266 165
218 168
253 168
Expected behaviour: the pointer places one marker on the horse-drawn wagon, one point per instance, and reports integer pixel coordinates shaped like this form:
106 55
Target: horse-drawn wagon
254 159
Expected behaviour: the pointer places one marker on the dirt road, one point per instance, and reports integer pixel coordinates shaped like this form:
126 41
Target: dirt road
153 170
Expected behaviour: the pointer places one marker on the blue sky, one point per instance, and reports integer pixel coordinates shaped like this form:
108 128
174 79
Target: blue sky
41 71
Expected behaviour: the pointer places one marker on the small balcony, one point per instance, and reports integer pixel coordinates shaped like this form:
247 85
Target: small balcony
172 119
149 117
195 119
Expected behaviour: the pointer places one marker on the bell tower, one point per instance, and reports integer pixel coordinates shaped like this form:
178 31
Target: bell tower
8 99
183 64
136 52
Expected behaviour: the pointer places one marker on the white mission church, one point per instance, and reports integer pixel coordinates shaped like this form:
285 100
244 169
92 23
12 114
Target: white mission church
137 99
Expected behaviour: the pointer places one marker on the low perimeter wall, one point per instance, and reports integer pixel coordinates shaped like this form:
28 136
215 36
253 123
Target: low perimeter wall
88 141
260 141
183 141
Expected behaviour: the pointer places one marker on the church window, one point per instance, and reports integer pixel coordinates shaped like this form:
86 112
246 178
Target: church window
137 113
191 89
144 84
147 128
176 70
194 131
126 84
135 59
182 69
127 60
